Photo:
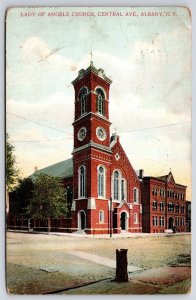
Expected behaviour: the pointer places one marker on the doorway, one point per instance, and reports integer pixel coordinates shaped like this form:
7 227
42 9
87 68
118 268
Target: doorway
171 223
123 220
81 220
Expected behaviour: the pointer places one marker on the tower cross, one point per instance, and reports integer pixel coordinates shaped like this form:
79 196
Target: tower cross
91 54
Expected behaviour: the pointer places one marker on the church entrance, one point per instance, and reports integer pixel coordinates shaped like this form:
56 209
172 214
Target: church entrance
81 220
123 220
171 223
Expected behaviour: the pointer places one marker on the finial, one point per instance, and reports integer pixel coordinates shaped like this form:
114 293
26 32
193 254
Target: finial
115 129
170 170
91 54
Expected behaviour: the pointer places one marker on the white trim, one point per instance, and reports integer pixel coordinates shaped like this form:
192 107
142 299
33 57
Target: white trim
73 206
126 219
83 87
101 88
137 195
104 181
103 216
104 131
92 144
119 187
85 182
78 137
135 216
91 203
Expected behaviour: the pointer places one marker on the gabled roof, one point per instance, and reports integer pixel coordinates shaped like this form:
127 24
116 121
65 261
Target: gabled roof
167 177
62 169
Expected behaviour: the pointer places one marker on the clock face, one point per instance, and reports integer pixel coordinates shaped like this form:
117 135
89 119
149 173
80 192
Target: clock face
101 133
82 133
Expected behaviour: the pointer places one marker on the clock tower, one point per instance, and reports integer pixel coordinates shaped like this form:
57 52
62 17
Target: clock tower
92 152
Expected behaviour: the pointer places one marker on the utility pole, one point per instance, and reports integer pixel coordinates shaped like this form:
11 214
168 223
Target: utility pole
111 217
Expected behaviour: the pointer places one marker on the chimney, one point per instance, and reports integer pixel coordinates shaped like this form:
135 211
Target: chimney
141 173
35 169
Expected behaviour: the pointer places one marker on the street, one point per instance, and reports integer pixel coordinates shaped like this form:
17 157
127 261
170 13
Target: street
66 264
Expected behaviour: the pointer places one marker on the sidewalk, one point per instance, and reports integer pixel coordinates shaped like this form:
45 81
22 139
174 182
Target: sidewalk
102 236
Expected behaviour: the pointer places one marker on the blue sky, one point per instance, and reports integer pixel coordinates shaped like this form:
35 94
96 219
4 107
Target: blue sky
149 62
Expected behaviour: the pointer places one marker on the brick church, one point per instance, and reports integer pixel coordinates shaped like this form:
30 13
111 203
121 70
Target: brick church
103 191
101 184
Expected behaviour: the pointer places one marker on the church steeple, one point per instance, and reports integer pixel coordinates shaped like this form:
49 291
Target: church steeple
91 122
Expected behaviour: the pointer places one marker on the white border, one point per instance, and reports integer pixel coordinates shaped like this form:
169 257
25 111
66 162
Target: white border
9 3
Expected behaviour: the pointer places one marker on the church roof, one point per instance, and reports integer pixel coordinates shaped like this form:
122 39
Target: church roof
99 72
61 169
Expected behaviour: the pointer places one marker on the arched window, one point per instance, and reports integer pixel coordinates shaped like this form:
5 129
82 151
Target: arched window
101 216
100 101
135 195
82 182
116 185
101 181
123 192
83 100
135 218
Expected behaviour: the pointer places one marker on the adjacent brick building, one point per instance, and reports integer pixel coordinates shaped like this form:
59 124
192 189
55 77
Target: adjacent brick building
163 204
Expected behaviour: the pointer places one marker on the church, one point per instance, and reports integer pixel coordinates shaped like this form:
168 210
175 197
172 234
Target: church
104 193
102 188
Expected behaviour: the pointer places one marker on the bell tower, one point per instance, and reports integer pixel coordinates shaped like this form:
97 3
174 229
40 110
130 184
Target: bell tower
91 144
91 122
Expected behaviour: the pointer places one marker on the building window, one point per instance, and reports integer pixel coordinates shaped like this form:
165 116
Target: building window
154 205
162 221
161 206
135 218
101 181
182 221
135 195
153 191
123 193
101 216
116 185
155 221
177 221
82 182
182 209
83 100
170 207
100 101
177 208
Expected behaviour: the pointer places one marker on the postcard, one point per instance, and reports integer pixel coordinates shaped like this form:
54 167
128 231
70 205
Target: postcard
98 161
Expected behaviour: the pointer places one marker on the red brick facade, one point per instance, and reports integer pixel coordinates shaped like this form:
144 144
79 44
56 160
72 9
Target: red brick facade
163 204
91 211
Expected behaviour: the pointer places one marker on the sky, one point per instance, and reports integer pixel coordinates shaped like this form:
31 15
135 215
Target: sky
148 59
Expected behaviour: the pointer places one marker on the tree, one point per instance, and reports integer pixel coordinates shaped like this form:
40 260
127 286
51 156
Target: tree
12 172
48 198
21 197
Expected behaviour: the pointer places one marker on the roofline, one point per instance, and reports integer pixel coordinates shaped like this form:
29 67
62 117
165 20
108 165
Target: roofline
162 180
95 71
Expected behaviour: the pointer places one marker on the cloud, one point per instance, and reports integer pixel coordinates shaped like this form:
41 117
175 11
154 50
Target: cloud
53 111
